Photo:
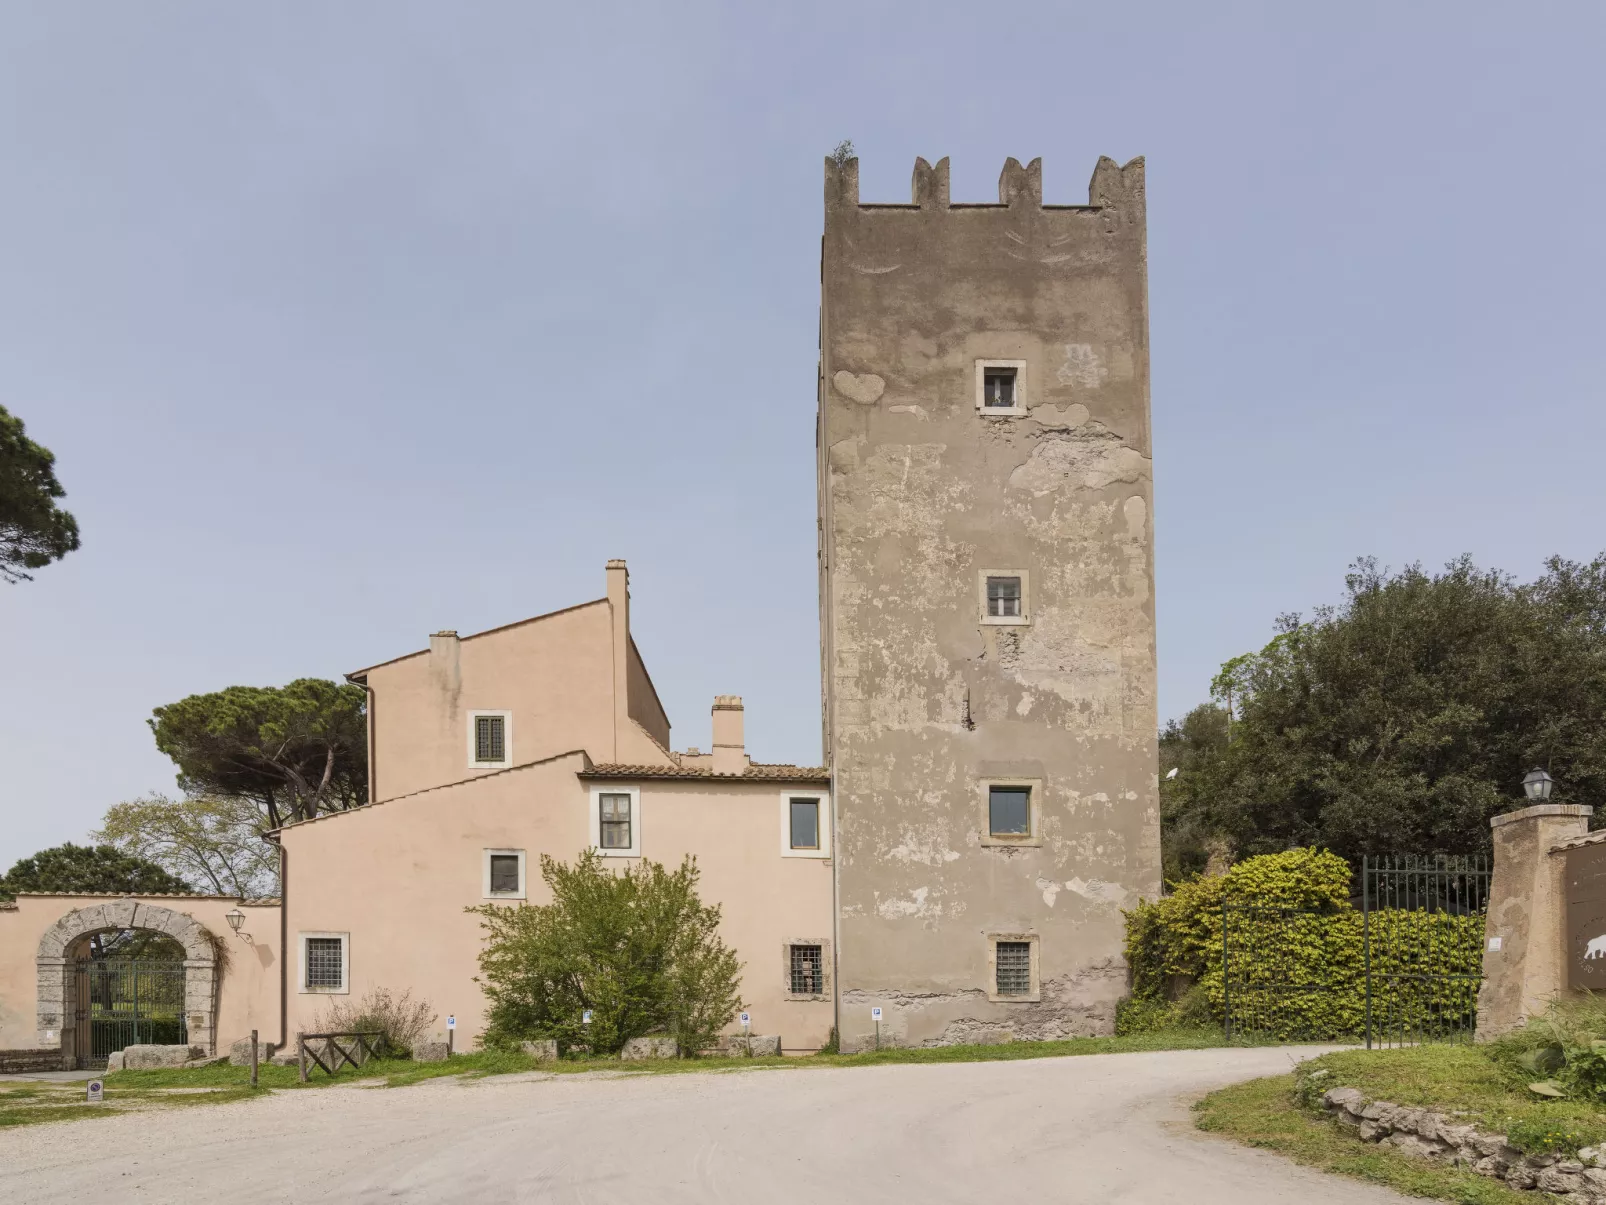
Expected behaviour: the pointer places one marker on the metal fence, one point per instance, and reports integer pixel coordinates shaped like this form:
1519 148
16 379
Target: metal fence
1402 968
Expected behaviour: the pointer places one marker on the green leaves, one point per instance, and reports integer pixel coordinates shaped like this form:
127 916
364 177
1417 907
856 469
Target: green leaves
1401 720
301 749
636 947
88 868
33 530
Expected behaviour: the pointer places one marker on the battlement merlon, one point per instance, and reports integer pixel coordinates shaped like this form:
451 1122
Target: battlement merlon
1113 186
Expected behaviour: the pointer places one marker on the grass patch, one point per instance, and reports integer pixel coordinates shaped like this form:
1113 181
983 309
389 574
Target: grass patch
1467 1081
1263 1113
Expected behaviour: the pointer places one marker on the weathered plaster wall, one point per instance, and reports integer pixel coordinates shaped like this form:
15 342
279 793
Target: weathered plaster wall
919 495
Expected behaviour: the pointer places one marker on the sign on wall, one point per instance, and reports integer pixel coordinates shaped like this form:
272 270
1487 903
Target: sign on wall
1586 917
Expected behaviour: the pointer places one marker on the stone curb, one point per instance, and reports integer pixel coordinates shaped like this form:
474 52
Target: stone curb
1424 1134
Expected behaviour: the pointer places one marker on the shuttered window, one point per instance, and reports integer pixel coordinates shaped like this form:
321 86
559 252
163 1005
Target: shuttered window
490 738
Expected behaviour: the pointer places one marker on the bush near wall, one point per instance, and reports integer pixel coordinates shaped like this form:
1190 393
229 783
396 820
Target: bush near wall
1302 973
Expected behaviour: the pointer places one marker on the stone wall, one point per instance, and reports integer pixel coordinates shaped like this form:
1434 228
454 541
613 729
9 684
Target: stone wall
29 1062
1424 1134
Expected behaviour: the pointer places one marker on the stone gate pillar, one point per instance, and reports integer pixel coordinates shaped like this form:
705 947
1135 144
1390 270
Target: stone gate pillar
1524 959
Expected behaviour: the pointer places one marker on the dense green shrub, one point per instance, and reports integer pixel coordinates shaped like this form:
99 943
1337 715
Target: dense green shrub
1300 973
1560 1053
636 947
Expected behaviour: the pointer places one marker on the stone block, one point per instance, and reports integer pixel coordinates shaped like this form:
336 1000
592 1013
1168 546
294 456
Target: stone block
146 1058
656 1046
1345 1098
734 1045
431 1050
545 1051
240 1052
1553 1179
114 1061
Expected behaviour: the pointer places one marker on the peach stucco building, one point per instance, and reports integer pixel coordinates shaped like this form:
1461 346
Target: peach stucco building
486 751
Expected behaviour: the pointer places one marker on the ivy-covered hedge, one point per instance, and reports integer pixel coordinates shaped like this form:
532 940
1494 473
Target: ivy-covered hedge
1298 954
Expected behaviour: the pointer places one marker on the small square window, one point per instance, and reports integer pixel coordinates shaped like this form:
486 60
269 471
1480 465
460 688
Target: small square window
998 388
1009 811
1014 968
805 823
490 738
807 970
614 819
1003 597
504 874
325 960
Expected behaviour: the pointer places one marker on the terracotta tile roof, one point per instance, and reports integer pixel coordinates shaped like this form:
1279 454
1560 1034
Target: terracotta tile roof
147 895
758 771
1594 838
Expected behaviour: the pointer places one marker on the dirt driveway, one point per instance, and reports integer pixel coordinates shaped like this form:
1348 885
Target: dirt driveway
1095 1128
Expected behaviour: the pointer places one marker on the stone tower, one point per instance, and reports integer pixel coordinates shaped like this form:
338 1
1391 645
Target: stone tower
987 602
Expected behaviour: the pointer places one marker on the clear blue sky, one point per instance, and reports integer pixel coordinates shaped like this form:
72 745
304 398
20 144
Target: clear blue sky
351 322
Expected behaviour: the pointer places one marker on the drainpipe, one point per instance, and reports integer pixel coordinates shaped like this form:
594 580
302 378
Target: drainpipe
284 948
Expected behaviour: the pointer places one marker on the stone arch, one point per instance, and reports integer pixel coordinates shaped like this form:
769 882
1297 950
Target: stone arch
57 988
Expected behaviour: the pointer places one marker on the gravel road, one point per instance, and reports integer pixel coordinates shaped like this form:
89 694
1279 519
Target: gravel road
1094 1128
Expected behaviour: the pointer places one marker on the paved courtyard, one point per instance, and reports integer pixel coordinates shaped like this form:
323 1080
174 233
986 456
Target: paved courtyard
1098 1128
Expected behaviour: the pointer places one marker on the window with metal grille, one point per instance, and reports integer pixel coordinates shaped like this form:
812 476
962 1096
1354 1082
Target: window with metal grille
998 387
805 824
1014 968
490 738
808 971
1009 811
1003 597
504 874
326 962
615 821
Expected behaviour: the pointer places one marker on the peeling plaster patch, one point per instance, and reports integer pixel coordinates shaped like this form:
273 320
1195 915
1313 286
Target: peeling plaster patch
864 387
930 852
1024 707
1056 418
1098 891
1049 889
1136 512
1090 457
893 909
918 411
1082 368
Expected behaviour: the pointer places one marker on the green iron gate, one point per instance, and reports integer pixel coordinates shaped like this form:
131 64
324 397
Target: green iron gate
1402 968
128 1001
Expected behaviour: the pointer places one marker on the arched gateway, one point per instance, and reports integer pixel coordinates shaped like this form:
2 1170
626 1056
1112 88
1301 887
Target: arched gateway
58 985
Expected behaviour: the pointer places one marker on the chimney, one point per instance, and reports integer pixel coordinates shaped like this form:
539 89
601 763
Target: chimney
619 607
730 753
445 666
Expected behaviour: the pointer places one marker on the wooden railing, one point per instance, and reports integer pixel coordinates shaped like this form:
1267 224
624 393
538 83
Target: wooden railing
339 1049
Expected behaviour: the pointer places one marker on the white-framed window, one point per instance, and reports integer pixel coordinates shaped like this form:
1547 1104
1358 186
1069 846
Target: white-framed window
490 740
325 964
502 874
806 968
1013 968
616 821
1001 388
805 824
1011 811
1004 596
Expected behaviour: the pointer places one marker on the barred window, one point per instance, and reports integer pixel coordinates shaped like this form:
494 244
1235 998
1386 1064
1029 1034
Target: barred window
1009 811
1003 597
615 821
805 823
998 387
1014 968
808 970
504 874
490 738
326 962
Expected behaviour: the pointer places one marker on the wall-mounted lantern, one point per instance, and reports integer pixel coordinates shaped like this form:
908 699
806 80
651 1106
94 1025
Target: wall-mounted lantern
236 918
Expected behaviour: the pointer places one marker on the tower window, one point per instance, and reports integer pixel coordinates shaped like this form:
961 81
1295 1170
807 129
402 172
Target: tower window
1009 811
490 734
1014 968
1003 597
998 388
